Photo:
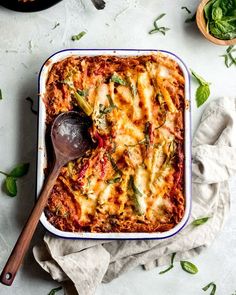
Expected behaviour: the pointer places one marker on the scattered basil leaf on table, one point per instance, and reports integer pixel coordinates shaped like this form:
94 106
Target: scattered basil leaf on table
10 186
186 8
213 285
203 90
189 267
200 221
228 56
20 170
158 29
53 291
10 181
31 105
191 19
171 265
0 94
78 36
56 25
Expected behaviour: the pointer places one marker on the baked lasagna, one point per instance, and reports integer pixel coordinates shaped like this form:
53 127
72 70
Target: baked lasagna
133 180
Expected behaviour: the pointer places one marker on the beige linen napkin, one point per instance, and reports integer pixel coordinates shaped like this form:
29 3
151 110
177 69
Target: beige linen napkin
82 264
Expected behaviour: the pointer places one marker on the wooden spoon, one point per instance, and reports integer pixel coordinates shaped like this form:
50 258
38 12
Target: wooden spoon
70 140
201 23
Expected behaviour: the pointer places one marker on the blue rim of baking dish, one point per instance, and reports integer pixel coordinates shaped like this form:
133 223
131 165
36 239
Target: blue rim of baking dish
189 146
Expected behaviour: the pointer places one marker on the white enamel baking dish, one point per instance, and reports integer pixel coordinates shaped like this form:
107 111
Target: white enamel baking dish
41 149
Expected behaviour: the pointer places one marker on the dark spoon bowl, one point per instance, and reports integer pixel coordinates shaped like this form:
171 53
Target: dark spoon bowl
33 6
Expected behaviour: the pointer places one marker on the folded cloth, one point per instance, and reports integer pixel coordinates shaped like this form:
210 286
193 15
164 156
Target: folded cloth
83 265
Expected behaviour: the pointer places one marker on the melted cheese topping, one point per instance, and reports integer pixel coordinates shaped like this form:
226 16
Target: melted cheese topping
133 180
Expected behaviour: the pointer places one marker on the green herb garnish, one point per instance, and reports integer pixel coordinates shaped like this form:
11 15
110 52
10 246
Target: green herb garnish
200 221
113 164
0 94
106 110
146 133
31 105
56 25
186 8
213 285
137 196
83 92
83 104
189 267
203 90
53 291
171 265
191 19
78 37
229 58
10 186
118 80
158 29
114 180
221 19
10 181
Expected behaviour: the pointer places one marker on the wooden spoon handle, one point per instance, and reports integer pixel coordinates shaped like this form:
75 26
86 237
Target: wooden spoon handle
15 259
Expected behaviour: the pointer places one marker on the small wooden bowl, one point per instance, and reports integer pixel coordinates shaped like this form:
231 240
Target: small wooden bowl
201 23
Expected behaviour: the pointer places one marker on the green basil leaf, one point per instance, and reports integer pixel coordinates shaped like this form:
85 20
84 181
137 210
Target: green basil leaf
158 18
10 185
200 80
78 36
118 80
202 94
200 221
227 6
171 265
208 9
217 13
186 8
53 291
166 270
153 31
189 267
230 48
158 29
20 170
213 285
0 94
134 187
112 105
31 105
172 258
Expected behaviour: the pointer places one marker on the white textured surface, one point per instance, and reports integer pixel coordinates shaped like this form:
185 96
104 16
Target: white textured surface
111 28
